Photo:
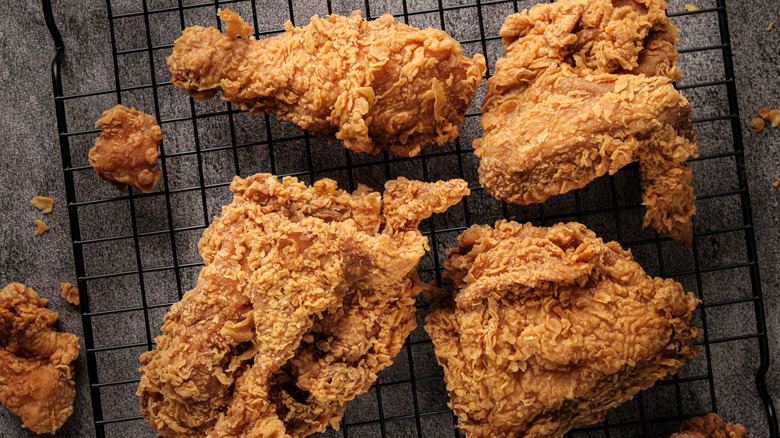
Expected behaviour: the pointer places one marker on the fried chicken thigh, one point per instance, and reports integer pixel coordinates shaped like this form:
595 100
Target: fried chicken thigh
371 84
125 153
710 426
586 88
36 370
548 328
306 294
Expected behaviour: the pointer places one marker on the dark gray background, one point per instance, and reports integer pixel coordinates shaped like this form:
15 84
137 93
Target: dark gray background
31 165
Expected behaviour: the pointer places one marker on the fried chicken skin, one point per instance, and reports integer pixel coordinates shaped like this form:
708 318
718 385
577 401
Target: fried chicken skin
36 370
306 294
548 328
371 84
709 426
586 88
125 153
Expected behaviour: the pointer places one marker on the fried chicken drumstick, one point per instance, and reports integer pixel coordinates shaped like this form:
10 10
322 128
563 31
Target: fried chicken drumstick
586 88
371 84
36 370
306 294
548 328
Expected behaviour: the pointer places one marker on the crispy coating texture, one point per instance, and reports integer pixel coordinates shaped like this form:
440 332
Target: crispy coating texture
306 294
40 227
586 88
371 84
36 370
710 426
548 328
70 293
125 153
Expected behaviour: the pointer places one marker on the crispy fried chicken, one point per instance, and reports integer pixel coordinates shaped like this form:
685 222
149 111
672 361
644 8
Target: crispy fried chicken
548 328
36 370
306 294
371 84
586 88
709 426
125 153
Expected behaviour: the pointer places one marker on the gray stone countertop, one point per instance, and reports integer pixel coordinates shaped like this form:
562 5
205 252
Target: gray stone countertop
30 165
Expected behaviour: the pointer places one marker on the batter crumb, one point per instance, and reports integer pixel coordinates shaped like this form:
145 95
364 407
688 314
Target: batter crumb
774 118
41 227
771 25
757 123
775 184
70 293
763 113
43 203
691 8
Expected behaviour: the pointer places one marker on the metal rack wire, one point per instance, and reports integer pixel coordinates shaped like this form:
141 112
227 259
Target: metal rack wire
135 255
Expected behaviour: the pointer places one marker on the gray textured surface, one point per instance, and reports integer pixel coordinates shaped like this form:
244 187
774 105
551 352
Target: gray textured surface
31 165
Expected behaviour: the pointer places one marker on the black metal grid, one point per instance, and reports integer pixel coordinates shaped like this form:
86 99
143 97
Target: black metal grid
133 251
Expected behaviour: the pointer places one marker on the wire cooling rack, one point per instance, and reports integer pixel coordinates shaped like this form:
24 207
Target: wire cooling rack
136 254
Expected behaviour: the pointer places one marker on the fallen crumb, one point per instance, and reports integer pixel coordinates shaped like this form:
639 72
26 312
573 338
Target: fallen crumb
43 203
777 163
775 184
511 218
763 113
771 25
691 8
757 124
774 118
41 227
70 293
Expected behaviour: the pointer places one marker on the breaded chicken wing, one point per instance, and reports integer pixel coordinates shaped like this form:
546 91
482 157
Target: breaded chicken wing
306 294
710 426
586 88
36 370
125 153
371 84
548 328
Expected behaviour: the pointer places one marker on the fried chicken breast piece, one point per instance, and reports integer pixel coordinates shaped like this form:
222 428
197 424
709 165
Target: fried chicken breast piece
547 328
36 369
371 84
306 294
586 88
125 153
709 426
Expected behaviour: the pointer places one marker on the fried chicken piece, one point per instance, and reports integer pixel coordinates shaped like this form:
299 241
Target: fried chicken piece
548 328
371 84
125 153
306 294
586 88
36 370
710 426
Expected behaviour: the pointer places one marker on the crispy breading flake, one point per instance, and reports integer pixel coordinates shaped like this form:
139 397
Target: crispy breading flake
691 8
774 118
763 113
42 227
771 26
43 203
70 293
775 184
757 123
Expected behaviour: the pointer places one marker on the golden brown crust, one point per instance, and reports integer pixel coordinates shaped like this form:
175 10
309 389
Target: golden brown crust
70 293
371 84
36 370
43 203
306 294
125 153
586 88
547 328
709 426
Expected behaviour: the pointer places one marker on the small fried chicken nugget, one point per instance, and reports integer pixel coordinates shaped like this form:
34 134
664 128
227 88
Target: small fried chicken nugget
126 153
548 328
710 426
